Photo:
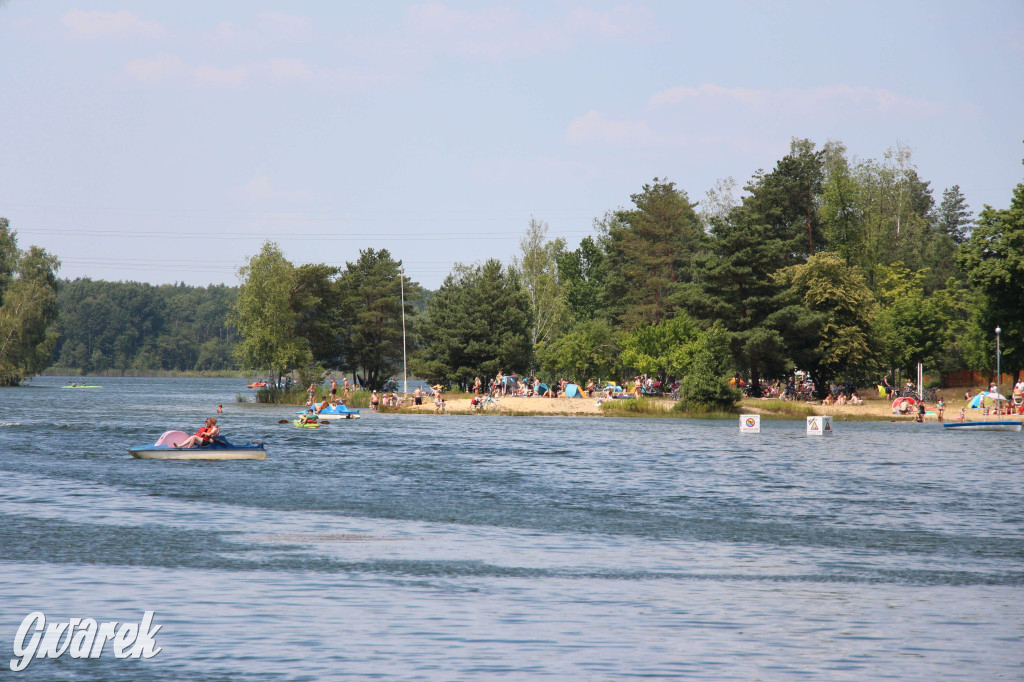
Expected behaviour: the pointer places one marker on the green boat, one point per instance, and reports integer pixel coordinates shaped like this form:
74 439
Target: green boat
305 425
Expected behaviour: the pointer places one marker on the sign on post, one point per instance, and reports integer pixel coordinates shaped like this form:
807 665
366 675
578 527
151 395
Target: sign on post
819 426
750 423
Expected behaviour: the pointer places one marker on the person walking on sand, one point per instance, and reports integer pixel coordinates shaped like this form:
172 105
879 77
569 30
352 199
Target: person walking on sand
940 407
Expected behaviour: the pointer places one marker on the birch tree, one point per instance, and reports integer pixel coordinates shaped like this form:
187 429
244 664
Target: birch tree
538 268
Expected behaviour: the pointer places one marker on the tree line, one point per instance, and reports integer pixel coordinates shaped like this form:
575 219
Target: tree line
847 269
137 326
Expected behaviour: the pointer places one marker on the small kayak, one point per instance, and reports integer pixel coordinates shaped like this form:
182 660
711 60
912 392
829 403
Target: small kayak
81 386
305 425
220 449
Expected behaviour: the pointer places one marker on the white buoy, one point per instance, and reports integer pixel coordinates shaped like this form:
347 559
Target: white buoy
750 423
819 426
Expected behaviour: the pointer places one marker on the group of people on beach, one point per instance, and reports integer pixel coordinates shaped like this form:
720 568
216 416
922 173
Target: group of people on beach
346 396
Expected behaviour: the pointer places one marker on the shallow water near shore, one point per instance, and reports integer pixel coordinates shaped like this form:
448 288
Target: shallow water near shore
475 547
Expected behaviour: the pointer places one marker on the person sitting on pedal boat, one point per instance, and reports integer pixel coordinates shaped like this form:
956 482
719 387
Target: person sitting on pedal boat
203 436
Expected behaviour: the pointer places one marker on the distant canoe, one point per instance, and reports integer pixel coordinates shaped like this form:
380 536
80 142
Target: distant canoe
81 386
995 425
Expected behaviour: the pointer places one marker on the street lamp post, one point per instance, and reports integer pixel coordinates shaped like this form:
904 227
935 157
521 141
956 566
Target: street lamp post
998 372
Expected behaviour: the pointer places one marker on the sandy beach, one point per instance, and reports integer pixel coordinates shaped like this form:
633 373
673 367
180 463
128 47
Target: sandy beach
875 408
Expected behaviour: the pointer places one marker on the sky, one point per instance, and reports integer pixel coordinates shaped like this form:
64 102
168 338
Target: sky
165 142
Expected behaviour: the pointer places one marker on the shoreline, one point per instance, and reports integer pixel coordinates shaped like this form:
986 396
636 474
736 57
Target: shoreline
871 410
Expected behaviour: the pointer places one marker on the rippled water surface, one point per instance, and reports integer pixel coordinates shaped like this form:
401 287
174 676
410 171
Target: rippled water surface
478 547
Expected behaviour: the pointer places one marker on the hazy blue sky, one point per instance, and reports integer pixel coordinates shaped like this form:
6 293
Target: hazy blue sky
165 141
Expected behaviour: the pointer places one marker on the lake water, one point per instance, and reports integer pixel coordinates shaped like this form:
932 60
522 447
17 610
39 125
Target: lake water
480 547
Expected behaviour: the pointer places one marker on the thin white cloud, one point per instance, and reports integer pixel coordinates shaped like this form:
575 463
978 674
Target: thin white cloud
290 70
227 33
595 127
257 189
261 188
502 32
709 117
171 67
110 24
831 98
215 75
290 26
160 68
680 94
268 28
624 21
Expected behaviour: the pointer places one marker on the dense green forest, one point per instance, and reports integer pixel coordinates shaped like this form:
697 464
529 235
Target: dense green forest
847 269
135 326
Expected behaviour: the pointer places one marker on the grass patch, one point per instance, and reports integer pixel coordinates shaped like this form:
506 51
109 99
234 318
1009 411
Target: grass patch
717 414
782 409
359 398
637 407
786 409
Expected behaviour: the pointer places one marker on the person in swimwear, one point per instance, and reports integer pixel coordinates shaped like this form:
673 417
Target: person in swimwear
203 436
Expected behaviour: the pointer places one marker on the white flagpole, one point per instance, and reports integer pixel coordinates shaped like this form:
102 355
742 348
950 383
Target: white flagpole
405 370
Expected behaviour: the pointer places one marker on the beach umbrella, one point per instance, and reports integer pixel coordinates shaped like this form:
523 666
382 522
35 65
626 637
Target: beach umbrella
899 401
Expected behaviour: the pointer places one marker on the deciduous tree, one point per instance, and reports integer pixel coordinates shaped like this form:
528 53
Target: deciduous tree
993 257
538 267
828 324
264 317
28 307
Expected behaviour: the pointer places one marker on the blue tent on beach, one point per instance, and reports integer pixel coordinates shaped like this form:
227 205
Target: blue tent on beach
978 401
573 391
